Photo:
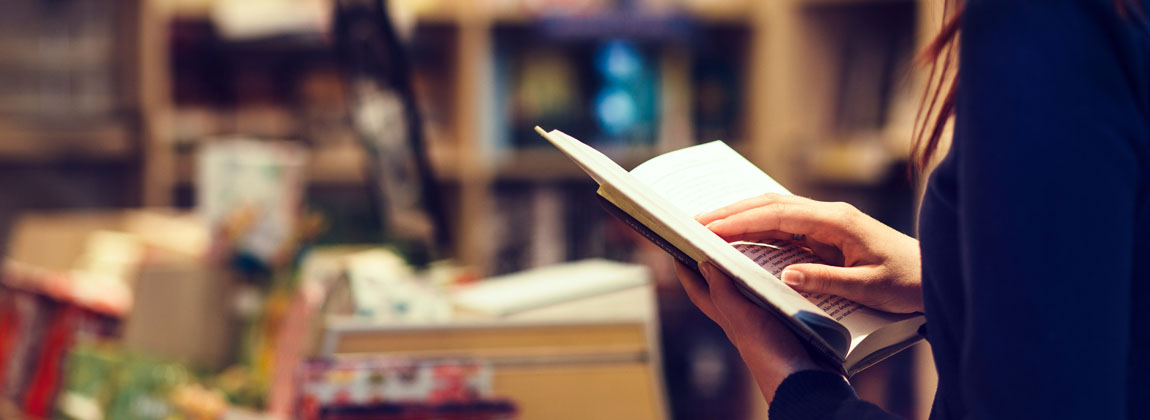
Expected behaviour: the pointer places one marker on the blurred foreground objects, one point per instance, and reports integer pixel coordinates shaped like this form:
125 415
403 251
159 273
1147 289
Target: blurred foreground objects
42 315
103 381
399 388
594 349
545 286
250 194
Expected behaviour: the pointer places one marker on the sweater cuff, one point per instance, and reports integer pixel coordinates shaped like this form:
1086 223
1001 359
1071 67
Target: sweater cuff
810 394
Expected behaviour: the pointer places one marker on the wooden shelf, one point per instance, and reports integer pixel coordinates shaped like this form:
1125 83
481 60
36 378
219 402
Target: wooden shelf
462 12
337 165
45 142
546 164
333 165
528 164
730 11
851 2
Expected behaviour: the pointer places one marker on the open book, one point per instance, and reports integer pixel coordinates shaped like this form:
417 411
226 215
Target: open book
660 197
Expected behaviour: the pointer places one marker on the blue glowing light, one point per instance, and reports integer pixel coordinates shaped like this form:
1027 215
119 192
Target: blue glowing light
616 110
619 61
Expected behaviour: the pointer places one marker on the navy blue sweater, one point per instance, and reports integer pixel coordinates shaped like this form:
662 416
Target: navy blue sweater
1035 229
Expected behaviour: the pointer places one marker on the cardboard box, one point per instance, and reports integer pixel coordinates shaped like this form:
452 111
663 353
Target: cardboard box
180 303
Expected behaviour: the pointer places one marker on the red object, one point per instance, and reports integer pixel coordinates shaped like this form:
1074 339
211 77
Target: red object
9 329
46 378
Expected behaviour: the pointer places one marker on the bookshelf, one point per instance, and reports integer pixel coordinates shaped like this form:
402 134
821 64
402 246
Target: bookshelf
791 65
82 100
71 84
791 71
789 110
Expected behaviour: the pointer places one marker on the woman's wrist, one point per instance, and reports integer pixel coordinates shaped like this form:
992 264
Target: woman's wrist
809 394
770 370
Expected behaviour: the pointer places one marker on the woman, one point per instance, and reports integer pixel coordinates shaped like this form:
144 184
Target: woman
1035 231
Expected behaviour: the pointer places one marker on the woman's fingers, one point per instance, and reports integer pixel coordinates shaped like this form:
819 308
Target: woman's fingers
878 266
725 296
697 291
770 351
848 282
760 337
750 203
824 222
828 253
782 216
732 310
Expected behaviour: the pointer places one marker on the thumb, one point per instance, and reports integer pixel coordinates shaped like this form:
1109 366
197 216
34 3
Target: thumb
821 278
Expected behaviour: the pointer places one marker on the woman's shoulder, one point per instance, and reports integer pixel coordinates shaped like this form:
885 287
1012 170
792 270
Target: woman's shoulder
1045 4
1134 14
1053 46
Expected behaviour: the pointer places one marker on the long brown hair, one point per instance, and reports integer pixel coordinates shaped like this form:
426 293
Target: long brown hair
936 107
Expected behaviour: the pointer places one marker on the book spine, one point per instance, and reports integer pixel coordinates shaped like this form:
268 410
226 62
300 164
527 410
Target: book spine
675 252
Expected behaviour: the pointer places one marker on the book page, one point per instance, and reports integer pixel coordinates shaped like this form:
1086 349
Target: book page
703 178
549 285
775 255
706 177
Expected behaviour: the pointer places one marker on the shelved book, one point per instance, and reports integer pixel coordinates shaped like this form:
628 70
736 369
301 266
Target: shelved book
659 199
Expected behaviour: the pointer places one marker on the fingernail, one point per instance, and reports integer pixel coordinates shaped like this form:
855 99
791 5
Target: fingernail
706 268
792 277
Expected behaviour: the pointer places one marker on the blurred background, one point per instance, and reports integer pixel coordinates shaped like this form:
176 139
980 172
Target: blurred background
337 209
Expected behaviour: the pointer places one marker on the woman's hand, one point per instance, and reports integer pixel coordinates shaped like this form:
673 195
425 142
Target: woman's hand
874 265
770 350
